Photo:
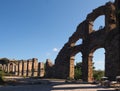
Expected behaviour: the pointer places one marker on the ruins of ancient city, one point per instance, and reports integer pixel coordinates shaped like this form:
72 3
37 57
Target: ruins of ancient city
27 68
106 37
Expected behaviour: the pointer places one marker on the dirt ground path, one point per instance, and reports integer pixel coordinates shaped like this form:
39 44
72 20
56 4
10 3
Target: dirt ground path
55 85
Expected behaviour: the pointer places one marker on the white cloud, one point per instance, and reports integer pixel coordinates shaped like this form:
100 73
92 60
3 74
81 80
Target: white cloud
55 49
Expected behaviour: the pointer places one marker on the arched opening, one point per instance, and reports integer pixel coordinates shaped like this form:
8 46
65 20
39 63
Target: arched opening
78 66
11 67
99 23
98 63
79 42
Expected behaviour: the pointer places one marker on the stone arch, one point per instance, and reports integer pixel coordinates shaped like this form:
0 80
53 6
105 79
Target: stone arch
99 59
80 33
79 42
94 15
91 41
11 67
99 23
90 62
106 10
75 50
93 49
76 59
86 27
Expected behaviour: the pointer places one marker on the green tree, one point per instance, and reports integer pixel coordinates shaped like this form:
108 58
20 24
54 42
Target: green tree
97 74
78 71
4 61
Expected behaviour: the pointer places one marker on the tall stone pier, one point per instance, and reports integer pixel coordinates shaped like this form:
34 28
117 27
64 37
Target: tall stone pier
41 70
24 68
34 67
20 68
29 67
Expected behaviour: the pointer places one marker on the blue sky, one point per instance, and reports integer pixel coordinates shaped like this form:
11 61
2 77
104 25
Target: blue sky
40 28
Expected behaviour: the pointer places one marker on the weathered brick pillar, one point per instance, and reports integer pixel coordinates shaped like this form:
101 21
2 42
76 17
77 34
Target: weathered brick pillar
71 69
49 69
90 69
16 68
13 68
8 70
41 70
29 68
4 68
24 68
87 68
20 68
34 67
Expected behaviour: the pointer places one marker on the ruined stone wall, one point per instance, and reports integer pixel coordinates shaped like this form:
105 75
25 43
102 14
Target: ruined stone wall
49 69
34 67
29 68
41 69
19 68
107 38
16 68
24 68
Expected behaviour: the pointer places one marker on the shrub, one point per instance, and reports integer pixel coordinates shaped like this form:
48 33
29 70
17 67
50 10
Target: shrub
1 77
97 74
78 71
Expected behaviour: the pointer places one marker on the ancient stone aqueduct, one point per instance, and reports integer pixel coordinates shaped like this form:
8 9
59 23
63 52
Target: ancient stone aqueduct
106 37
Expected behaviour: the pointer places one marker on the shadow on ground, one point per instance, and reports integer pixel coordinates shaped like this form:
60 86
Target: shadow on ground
49 85
80 87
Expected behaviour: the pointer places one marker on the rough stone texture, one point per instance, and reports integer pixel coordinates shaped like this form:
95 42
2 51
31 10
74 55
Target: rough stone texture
107 38
16 68
41 69
29 67
19 68
117 4
11 67
35 67
49 69
24 68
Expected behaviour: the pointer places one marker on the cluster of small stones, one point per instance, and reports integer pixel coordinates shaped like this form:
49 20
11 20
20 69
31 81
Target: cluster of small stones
27 68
